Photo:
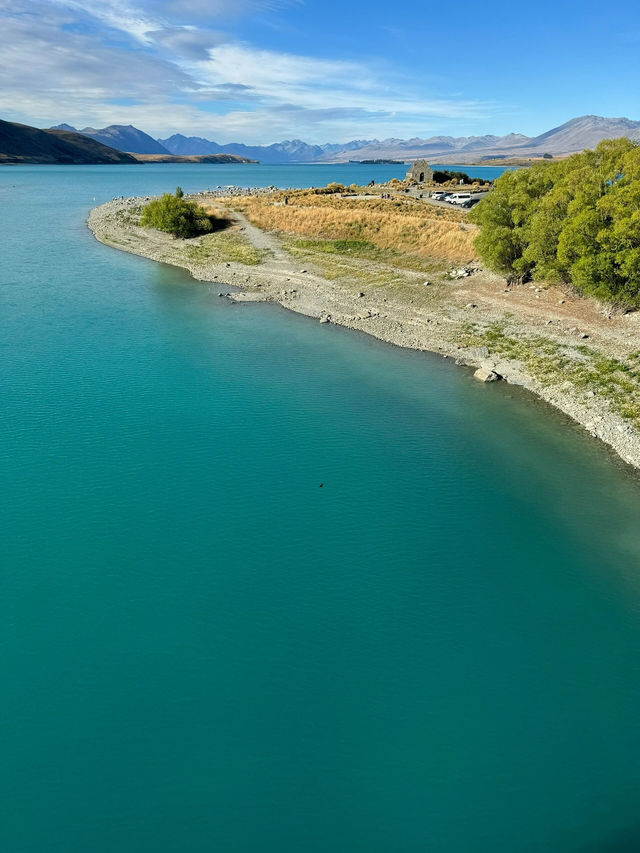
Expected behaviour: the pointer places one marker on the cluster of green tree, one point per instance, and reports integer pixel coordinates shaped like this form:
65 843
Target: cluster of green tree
172 213
441 176
574 221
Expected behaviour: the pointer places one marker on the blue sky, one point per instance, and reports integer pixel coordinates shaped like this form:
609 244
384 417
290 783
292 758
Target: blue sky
260 71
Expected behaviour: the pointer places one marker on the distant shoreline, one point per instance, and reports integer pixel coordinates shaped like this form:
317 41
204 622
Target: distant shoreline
213 159
452 319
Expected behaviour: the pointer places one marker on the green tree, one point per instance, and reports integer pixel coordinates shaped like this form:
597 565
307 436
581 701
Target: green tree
576 220
179 192
503 217
171 213
441 176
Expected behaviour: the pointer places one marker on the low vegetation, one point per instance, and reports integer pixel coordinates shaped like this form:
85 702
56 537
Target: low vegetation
553 363
174 215
365 251
574 221
365 225
225 247
363 264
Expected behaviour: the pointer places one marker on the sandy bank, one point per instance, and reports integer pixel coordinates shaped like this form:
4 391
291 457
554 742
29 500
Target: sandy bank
562 348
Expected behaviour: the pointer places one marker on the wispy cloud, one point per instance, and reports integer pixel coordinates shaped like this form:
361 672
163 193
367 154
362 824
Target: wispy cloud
167 67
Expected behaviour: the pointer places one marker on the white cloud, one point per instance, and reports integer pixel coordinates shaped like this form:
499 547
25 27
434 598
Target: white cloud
146 65
321 87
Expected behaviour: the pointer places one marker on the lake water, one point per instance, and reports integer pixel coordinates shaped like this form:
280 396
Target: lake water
203 650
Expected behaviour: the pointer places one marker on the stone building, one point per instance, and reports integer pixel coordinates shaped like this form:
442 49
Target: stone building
420 172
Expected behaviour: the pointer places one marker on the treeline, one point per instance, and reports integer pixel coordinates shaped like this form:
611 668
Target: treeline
442 176
574 221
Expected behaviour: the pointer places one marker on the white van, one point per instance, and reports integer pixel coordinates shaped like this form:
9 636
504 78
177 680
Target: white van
459 198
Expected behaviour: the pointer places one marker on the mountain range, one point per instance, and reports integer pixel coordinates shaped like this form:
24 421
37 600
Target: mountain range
289 151
575 135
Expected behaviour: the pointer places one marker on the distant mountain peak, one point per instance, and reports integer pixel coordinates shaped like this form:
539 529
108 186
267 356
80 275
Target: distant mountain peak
122 137
582 132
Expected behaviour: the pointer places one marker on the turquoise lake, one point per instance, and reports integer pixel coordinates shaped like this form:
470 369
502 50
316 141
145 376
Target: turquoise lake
202 650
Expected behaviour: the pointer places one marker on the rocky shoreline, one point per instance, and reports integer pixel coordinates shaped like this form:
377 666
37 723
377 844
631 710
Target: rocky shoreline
451 316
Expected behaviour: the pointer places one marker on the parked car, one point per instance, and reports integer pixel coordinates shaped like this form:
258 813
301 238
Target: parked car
439 195
470 202
459 198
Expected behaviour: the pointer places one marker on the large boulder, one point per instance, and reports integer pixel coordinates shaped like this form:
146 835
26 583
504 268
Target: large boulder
485 374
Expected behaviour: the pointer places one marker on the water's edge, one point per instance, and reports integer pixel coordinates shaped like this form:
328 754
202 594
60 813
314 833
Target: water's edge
312 295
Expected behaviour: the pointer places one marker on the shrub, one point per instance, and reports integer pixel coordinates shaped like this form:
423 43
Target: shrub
330 189
171 213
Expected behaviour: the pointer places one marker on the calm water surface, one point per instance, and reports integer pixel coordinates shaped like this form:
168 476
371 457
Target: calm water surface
203 650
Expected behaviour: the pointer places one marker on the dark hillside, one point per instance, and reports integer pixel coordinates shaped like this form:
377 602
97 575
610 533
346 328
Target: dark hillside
20 143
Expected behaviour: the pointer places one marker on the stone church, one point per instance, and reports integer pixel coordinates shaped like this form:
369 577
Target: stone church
420 172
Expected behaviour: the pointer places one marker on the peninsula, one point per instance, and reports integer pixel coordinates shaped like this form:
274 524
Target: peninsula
212 159
405 270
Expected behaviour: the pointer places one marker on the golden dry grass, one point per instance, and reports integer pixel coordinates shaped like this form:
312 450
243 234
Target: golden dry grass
402 225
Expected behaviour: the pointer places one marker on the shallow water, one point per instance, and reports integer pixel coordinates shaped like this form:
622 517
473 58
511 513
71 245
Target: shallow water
437 650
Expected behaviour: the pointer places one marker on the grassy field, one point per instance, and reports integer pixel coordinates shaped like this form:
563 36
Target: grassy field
403 231
362 264
224 246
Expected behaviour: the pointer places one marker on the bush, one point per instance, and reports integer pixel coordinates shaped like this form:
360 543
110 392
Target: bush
171 213
330 189
575 221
